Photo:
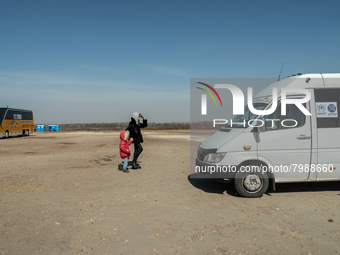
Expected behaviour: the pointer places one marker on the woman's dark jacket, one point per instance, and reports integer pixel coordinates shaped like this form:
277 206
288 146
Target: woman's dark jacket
134 130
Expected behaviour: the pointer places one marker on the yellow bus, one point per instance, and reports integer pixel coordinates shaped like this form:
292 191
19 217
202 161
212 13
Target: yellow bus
16 122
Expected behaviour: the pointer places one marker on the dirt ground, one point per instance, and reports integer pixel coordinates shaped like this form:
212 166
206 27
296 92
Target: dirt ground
61 193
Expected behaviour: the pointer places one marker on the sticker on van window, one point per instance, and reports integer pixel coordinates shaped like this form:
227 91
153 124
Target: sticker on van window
326 110
262 99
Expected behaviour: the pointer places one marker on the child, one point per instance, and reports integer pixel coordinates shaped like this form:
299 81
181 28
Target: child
124 150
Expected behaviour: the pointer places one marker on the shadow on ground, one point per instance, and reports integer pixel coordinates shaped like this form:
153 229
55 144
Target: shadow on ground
307 187
211 186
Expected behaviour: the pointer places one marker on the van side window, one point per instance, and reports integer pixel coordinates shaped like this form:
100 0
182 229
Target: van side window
292 112
327 96
273 125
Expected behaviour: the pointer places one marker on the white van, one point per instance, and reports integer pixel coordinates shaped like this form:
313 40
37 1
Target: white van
288 148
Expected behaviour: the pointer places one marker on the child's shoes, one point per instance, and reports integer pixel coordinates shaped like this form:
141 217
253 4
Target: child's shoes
120 167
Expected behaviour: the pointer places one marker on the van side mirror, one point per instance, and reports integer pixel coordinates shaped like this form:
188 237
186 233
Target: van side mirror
259 125
262 129
261 121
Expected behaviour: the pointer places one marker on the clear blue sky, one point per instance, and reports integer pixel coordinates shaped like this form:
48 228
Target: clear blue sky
73 61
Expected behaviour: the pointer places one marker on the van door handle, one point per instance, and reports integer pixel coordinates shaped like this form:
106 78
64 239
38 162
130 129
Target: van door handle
303 137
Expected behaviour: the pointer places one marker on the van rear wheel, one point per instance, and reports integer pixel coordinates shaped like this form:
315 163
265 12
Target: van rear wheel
251 183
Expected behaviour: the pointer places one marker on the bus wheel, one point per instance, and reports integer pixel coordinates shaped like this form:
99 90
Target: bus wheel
27 132
251 184
6 134
23 132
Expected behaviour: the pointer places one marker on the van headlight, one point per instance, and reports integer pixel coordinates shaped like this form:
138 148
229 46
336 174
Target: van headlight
214 157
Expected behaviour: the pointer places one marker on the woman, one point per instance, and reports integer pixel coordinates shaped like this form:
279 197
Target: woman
134 129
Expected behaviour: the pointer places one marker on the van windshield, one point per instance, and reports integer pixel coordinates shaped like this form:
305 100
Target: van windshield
239 120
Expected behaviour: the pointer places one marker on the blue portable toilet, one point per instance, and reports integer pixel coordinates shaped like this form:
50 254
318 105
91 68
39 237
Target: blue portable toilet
52 128
40 128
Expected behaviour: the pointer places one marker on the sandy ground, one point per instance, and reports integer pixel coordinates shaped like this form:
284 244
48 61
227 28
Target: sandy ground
61 193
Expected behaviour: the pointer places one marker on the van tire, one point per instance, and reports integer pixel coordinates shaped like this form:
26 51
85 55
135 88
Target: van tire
251 183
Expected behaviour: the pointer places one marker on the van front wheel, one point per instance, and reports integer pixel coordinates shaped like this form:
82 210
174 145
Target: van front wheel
251 183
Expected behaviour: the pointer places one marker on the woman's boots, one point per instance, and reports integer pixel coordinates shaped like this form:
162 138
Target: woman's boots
135 165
